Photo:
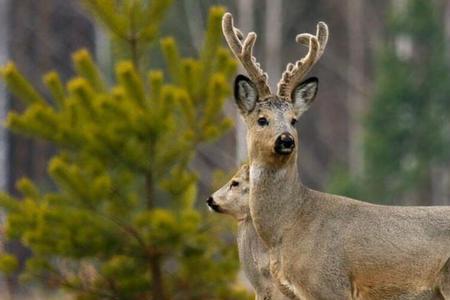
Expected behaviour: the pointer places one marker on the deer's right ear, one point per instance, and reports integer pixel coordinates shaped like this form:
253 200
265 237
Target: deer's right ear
245 94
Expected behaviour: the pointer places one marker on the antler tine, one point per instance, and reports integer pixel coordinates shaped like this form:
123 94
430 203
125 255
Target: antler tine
321 34
295 73
243 50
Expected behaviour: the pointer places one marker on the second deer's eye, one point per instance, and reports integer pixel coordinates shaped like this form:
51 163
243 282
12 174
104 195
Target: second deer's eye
263 121
293 121
234 183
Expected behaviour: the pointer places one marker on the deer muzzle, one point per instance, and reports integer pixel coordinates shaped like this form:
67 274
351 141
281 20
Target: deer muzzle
212 204
285 144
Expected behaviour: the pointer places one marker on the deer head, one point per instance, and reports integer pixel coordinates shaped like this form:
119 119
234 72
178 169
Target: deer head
271 118
232 198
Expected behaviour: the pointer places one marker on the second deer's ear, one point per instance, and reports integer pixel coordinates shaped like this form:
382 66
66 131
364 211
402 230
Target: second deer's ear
304 94
245 94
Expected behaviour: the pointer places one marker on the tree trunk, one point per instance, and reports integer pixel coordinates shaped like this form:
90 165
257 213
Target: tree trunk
3 134
446 169
273 40
158 291
355 71
245 23
3 103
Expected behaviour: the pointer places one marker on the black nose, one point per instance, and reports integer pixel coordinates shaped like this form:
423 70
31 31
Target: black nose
285 143
213 205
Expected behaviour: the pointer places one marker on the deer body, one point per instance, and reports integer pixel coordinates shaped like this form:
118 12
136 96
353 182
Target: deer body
232 199
332 247
324 246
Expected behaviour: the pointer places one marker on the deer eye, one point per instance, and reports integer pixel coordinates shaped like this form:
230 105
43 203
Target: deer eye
263 121
293 121
234 183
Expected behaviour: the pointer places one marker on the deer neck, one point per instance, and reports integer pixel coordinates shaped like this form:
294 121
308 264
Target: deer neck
247 240
275 196
253 255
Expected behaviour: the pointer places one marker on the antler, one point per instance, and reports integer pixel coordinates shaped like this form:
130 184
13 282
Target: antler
295 73
243 49
321 35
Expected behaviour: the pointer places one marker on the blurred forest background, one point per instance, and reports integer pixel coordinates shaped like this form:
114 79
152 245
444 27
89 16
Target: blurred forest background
379 129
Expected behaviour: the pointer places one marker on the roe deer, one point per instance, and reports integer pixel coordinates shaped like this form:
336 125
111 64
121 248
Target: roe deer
232 199
324 246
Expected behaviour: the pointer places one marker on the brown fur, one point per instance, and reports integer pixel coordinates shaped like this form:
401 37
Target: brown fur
324 246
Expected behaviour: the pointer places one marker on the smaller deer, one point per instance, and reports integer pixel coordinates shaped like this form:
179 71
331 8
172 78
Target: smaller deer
232 199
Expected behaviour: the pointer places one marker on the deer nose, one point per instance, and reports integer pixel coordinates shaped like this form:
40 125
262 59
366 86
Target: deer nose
285 144
212 205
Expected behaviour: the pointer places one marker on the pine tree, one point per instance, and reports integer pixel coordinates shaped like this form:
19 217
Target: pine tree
407 126
121 221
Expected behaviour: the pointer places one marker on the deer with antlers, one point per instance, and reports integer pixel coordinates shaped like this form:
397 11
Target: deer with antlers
324 246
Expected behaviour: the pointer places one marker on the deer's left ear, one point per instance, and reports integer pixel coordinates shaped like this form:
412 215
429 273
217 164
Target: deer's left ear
304 94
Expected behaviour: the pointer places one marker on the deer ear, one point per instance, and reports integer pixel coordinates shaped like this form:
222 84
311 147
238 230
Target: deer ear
304 94
245 94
